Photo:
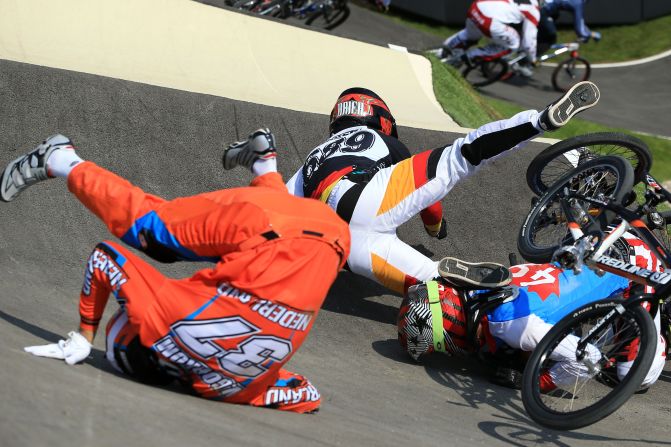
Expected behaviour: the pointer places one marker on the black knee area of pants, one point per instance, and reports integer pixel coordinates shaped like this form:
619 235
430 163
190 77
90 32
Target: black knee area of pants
141 363
155 249
492 144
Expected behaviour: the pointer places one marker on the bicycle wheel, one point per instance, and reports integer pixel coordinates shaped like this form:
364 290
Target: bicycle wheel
274 8
545 228
570 72
659 222
329 17
247 5
485 72
564 390
555 161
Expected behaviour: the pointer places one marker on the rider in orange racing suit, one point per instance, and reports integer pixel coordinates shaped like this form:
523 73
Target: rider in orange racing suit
228 330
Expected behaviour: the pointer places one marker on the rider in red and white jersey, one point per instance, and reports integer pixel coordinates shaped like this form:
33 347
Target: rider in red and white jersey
499 20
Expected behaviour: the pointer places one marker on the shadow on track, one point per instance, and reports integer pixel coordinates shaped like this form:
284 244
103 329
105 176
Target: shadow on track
511 423
96 359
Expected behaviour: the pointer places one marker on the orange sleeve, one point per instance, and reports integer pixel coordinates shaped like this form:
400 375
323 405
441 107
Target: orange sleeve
91 310
94 294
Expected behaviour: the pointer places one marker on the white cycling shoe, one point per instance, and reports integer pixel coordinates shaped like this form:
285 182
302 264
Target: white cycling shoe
30 168
580 97
474 275
260 145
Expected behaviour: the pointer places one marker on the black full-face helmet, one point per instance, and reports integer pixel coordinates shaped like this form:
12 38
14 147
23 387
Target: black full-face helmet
362 107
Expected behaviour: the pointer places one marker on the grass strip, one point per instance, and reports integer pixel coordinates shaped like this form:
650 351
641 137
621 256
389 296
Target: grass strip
618 43
659 147
459 100
626 42
470 109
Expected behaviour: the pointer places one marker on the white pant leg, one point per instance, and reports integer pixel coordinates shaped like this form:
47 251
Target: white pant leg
504 35
465 37
521 333
658 363
525 333
504 39
391 197
386 259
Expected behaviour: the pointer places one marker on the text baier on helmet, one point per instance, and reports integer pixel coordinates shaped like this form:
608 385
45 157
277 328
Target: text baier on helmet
432 319
361 107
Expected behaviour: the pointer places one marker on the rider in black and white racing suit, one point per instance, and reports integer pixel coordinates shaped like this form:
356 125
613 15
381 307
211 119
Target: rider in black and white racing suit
369 178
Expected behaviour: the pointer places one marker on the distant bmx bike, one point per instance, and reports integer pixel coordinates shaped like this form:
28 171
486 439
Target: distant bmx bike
483 71
325 14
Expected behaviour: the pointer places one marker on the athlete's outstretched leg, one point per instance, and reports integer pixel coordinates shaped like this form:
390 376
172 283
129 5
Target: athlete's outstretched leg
141 220
397 193
389 261
111 198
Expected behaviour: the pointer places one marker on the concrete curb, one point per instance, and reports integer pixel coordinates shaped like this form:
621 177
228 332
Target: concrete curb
198 48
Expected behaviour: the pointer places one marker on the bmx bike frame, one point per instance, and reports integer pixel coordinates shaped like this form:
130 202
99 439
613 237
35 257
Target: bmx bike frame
600 262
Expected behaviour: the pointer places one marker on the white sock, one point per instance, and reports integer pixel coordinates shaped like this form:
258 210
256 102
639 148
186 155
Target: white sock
261 167
61 162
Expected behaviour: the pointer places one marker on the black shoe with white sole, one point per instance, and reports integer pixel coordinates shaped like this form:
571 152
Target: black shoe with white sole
474 275
580 97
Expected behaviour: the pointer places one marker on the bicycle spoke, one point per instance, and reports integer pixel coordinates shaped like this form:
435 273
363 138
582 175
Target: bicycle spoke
589 387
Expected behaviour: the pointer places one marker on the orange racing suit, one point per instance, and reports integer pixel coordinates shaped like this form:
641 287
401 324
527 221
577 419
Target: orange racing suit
227 330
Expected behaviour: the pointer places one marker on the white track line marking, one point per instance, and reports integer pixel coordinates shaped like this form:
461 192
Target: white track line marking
645 60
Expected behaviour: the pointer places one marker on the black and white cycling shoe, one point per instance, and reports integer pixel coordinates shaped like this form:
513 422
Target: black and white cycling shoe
260 145
580 97
30 168
473 275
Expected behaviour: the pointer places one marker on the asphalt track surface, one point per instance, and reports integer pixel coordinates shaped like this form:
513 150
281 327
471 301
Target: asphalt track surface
169 142
635 97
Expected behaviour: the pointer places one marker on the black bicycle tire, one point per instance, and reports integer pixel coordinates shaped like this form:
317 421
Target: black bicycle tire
252 4
469 68
273 4
316 14
666 215
558 68
540 161
530 251
661 230
531 396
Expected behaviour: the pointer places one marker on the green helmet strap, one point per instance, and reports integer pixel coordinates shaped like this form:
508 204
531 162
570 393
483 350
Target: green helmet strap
436 316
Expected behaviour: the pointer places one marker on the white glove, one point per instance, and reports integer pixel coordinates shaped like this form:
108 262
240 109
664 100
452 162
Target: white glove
73 350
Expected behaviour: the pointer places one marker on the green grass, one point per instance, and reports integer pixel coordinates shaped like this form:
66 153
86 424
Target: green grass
659 147
457 97
627 42
470 109
424 25
619 43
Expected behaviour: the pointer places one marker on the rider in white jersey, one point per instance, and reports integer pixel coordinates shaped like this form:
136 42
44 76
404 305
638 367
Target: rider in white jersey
512 25
364 173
